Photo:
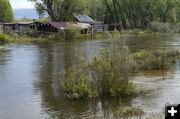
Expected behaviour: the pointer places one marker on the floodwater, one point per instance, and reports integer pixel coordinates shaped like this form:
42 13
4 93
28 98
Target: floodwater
29 87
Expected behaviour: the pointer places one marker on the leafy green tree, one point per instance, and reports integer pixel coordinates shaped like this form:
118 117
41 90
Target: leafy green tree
6 13
129 13
139 13
60 10
96 9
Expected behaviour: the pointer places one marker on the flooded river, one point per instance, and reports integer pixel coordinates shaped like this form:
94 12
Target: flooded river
29 88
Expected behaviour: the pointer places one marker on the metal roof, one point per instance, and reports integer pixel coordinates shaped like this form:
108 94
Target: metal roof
84 19
19 23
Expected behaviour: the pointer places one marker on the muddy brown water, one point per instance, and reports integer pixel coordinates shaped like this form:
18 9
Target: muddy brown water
29 87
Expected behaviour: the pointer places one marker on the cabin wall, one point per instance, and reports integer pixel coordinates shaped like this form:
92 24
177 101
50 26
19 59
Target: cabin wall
100 27
8 28
1 28
18 28
23 28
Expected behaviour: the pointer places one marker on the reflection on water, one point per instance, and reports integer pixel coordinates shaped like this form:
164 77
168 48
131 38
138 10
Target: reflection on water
29 88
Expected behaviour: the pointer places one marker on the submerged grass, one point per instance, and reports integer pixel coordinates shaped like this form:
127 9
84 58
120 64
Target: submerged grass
154 60
106 75
3 38
127 112
61 35
109 73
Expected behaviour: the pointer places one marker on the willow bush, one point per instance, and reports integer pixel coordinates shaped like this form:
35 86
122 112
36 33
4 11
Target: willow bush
3 38
158 59
72 33
109 73
160 27
106 75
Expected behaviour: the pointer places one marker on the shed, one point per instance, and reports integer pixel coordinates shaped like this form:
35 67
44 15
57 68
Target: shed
18 27
85 28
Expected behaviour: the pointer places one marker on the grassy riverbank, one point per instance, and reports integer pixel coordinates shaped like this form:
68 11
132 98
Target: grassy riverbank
154 30
60 36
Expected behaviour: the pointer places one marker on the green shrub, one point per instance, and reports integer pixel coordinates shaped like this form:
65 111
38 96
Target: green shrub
76 84
159 59
72 33
127 112
106 34
160 27
32 32
106 75
60 35
51 37
115 33
3 38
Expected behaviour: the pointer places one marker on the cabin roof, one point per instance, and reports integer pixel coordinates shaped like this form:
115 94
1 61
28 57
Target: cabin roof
59 24
20 23
84 18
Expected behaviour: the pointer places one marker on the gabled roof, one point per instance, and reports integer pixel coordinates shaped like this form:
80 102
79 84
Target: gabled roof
84 19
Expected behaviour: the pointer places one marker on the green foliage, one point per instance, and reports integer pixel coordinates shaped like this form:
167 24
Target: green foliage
76 84
127 13
115 33
3 38
139 13
60 9
160 27
106 75
159 59
6 13
60 35
127 112
106 34
96 9
72 33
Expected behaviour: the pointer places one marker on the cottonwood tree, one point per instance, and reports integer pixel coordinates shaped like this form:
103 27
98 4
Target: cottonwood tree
139 13
6 12
60 10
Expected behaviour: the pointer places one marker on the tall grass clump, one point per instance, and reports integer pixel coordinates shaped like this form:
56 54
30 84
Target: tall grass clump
72 33
126 112
3 38
158 59
160 27
107 75
60 35
115 33
106 34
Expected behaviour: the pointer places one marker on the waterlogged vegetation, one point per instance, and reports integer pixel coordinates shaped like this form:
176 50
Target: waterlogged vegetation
109 73
146 90
61 35
3 38
157 59
127 112
106 75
